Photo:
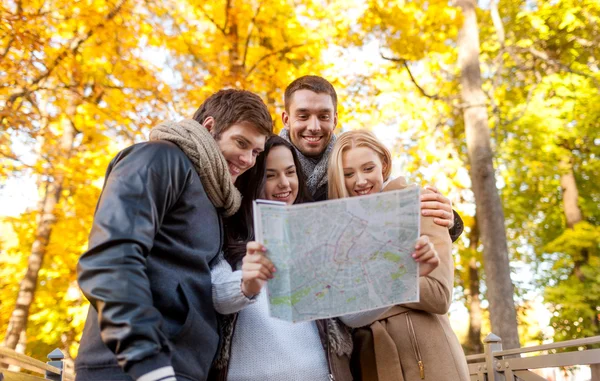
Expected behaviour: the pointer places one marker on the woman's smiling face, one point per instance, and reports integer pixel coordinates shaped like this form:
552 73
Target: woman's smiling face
282 180
363 171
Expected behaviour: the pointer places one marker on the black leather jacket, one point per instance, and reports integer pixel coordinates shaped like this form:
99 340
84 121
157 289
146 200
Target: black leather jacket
146 272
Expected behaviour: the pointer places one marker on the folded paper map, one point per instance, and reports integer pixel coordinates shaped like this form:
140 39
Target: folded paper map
341 256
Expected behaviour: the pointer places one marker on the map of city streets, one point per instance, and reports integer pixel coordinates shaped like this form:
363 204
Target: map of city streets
341 256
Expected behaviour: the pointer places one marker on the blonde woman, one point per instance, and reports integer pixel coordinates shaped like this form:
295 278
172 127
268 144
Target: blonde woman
410 341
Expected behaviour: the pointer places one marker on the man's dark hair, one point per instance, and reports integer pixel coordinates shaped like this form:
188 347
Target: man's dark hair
313 83
232 106
239 227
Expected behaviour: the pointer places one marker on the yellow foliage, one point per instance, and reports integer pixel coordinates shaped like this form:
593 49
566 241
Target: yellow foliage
108 71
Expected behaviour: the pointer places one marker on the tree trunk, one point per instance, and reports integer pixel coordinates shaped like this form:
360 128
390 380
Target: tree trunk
53 189
573 213
570 197
573 216
235 60
474 301
489 211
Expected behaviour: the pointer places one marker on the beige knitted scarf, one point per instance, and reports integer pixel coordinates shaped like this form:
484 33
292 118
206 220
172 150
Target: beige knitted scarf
202 149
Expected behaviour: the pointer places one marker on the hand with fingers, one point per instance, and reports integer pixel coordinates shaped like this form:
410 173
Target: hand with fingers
434 204
426 255
256 269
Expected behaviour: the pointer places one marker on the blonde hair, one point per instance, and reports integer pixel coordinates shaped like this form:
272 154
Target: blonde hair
352 139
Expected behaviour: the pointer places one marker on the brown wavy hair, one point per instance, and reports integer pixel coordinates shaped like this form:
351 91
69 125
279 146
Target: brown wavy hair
232 106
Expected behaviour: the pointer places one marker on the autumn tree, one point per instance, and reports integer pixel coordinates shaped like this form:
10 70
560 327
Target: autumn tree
546 81
260 45
68 89
415 37
84 80
490 213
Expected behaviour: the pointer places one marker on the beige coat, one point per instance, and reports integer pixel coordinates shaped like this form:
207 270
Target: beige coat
414 341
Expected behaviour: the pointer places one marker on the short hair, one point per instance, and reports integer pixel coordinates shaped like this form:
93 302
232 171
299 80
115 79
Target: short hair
313 83
231 106
347 140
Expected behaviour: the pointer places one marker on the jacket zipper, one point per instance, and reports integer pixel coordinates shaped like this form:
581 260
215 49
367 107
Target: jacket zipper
415 346
331 378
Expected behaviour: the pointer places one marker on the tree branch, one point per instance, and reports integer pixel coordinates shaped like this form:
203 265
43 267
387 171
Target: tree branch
497 21
72 49
283 51
527 102
222 29
227 8
404 63
251 27
11 156
12 37
544 57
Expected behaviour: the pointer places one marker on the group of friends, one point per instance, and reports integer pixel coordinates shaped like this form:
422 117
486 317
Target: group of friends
175 277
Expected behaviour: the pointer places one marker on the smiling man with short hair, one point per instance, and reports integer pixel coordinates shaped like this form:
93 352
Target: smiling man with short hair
310 118
157 226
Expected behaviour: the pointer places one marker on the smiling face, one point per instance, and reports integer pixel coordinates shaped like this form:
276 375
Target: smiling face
311 120
282 180
240 144
363 171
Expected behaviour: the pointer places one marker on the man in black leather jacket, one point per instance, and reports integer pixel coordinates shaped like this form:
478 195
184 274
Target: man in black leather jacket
156 228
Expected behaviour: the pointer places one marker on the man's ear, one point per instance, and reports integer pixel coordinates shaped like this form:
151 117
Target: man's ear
208 124
335 118
285 118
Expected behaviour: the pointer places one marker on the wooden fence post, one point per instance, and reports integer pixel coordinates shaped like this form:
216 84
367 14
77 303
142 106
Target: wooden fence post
491 344
595 368
56 357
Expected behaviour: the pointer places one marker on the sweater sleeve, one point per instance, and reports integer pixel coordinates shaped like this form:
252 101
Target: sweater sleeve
227 294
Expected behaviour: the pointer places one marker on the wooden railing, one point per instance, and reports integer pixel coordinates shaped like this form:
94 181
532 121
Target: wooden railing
498 365
51 370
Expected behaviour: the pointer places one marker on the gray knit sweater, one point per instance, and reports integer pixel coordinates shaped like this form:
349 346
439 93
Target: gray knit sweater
265 348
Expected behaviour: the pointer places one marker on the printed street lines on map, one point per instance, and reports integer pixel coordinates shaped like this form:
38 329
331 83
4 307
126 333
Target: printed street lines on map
341 256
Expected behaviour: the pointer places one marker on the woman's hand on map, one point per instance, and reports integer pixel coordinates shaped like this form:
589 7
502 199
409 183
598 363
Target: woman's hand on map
434 204
256 269
426 255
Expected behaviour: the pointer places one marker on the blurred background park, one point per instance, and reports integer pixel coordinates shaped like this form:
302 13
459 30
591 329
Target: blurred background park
82 79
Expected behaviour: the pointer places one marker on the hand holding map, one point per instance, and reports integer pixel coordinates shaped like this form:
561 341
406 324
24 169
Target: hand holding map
341 256
256 269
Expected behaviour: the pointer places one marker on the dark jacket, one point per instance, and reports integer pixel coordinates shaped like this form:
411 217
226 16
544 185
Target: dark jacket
335 339
146 272
321 195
